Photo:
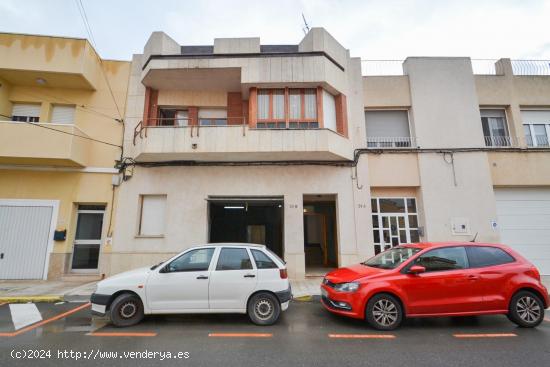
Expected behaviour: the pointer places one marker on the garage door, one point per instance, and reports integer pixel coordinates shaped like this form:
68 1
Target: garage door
524 223
24 239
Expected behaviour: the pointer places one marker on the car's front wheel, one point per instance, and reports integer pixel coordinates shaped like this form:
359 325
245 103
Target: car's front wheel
384 312
264 309
126 310
526 309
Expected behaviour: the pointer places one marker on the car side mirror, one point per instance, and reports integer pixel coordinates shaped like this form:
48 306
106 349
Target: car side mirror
417 269
165 269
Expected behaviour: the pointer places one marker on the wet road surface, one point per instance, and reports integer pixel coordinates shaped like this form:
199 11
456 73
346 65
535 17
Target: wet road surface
306 335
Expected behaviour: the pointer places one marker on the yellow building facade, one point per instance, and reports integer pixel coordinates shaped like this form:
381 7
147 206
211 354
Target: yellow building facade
61 132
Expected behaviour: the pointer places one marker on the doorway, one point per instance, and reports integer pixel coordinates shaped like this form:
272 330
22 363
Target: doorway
88 237
320 234
250 220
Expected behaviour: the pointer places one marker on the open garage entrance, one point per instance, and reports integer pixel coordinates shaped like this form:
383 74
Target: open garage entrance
320 236
252 220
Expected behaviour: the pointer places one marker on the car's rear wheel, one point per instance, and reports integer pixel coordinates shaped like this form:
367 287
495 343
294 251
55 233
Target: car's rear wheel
264 309
526 309
384 312
126 310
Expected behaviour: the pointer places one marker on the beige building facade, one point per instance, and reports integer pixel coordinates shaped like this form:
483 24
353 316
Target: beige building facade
297 147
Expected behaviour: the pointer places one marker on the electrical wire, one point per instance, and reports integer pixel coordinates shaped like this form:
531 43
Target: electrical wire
88 28
68 133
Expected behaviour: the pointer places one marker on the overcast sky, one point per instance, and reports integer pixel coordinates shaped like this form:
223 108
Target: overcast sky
370 29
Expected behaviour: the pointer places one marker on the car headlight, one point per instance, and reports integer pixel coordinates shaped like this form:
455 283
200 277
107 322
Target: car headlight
347 287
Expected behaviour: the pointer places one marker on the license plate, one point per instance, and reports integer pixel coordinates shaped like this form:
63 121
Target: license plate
324 292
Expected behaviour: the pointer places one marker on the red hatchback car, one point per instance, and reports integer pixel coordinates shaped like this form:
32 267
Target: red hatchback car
437 279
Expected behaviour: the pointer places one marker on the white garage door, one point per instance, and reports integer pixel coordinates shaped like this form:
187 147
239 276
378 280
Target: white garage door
25 235
524 223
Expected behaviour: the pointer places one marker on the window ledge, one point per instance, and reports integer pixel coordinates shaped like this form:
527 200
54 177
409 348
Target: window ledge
149 236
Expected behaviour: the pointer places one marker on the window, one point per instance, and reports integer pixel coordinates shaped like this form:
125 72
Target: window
388 129
392 258
536 126
194 260
262 261
172 117
329 111
212 117
234 259
487 256
448 258
494 127
296 106
394 221
62 114
152 216
25 112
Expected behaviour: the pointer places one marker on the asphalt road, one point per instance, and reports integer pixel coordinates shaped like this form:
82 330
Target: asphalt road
306 335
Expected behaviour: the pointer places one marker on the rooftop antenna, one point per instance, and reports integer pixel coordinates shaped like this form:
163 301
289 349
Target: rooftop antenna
306 26
474 239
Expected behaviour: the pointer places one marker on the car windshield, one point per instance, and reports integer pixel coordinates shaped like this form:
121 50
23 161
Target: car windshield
391 258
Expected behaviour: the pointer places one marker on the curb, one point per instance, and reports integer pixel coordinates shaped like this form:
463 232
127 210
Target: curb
34 299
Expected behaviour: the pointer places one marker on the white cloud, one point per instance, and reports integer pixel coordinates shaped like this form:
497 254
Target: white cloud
391 29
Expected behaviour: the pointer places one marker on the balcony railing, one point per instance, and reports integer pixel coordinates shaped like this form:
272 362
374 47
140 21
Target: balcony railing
499 141
541 141
390 142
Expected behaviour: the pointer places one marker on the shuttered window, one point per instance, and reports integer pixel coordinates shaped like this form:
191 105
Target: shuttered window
153 214
213 116
329 111
387 123
25 112
62 114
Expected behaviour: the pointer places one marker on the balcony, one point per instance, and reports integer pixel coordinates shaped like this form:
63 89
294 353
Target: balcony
38 144
381 142
499 141
218 142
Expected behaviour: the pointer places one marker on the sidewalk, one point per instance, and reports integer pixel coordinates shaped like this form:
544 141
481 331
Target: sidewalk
57 290
45 290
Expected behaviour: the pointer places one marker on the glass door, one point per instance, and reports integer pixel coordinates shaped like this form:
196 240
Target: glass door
87 243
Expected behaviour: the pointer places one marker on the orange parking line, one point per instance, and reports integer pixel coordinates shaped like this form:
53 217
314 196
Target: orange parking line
361 336
47 321
501 335
240 335
123 334
3 303
547 319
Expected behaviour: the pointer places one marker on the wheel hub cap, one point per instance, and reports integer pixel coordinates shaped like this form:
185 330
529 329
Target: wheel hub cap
128 310
263 309
385 312
528 309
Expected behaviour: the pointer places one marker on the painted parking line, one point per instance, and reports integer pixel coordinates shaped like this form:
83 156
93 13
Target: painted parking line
547 319
139 334
495 335
240 335
3 303
362 336
47 321
24 314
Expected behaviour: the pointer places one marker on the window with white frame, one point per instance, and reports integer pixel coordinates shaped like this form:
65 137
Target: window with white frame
63 114
388 129
495 129
25 112
536 126
394 222
152 215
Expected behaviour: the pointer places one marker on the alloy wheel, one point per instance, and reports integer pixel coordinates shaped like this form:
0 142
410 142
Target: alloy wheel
385 312
528 309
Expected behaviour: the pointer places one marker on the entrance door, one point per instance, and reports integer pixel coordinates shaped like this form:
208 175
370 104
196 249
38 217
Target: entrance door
26 232
394 230
87 243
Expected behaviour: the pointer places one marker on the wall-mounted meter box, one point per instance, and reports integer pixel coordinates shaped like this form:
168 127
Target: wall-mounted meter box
460 226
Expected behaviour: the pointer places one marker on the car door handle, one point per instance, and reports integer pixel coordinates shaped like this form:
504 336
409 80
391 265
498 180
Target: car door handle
202 277
249 276
473 277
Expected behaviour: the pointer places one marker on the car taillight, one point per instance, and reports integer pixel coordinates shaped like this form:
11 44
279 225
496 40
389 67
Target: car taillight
283 273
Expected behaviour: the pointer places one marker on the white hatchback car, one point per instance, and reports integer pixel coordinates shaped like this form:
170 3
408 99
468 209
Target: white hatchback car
214 278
